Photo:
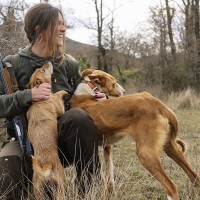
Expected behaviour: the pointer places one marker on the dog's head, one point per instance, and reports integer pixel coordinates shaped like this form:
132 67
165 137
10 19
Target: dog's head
41 75
104 81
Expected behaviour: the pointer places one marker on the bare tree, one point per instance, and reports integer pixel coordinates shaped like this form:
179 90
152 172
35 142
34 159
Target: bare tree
197 29
103 25
192 40
159 27
170 15
11 35
189 40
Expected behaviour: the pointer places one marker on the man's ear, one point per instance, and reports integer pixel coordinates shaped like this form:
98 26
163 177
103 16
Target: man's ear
37 28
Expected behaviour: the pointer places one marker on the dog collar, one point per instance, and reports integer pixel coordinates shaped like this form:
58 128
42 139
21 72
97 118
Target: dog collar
91 85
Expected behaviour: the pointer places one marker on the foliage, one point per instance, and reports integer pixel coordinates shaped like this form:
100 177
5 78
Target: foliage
83 63
125 75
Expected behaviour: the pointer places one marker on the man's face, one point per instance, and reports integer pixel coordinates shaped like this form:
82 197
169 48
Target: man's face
60 31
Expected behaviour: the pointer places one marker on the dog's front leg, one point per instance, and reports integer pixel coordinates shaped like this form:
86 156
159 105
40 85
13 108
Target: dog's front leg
109 168
38 187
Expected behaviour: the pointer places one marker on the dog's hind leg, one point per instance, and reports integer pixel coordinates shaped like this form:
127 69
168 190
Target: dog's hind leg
173 151
150 138
109 168
149 158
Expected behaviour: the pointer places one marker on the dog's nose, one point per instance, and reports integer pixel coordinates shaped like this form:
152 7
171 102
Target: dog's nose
122 89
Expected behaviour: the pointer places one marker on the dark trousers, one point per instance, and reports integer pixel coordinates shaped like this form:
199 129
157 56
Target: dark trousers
77 144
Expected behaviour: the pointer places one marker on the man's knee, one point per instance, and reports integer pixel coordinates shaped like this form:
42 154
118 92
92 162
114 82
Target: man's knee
77 115
75 125
76 119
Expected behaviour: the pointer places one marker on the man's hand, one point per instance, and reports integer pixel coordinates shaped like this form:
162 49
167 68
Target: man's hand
42 92
99 96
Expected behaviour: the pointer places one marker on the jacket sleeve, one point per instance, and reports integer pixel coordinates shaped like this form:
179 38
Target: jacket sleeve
13 104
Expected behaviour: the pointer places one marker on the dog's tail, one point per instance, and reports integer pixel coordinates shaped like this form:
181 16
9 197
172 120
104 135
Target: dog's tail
182 144
42 171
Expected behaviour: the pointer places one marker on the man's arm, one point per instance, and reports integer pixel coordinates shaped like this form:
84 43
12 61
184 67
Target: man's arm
12 104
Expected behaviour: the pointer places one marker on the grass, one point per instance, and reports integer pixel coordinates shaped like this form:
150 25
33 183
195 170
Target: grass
132 181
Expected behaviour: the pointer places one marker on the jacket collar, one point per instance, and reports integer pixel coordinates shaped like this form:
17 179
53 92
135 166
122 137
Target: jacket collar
37 61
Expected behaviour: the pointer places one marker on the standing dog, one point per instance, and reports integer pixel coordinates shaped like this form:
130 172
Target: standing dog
143 118
42 132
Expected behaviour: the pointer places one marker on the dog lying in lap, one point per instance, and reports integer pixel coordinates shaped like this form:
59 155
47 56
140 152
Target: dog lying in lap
142 117
43 134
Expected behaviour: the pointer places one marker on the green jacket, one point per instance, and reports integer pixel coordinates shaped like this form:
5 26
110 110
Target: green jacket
67 78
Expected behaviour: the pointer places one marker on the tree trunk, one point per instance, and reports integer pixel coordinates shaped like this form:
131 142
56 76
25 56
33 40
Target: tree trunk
170 33
99 31
198 44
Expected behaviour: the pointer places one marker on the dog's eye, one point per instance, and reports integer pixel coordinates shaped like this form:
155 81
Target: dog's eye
43 70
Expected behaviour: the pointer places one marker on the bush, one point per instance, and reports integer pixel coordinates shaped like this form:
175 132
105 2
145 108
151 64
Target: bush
83 63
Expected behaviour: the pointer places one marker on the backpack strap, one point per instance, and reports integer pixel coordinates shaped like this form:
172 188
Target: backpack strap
9 68
8 76
12 83
15 60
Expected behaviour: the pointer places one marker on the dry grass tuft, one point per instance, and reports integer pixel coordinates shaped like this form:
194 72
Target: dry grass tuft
183 100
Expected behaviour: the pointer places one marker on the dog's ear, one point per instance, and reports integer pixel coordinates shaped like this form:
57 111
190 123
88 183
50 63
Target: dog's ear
38 82
28 86
98 79
34 83
87 72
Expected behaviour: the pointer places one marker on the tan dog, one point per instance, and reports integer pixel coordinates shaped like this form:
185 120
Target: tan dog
43 134
143 118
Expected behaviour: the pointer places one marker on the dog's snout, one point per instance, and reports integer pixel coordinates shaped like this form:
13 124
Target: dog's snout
122 90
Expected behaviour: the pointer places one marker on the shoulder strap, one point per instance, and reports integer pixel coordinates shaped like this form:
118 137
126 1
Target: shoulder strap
11 62
10 79
15 59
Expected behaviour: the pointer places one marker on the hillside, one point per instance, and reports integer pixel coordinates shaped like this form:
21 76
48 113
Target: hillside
78 49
